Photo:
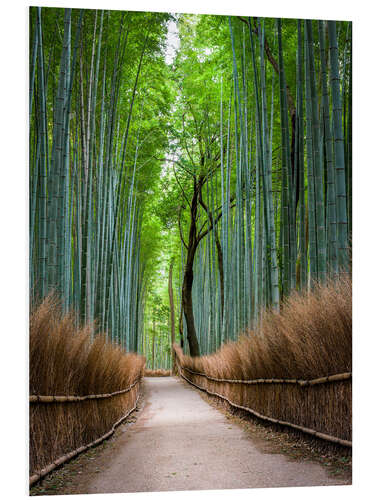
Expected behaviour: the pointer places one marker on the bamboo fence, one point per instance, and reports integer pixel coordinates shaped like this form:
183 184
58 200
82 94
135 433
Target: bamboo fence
320 380
69 399
65 458
324 402
73 423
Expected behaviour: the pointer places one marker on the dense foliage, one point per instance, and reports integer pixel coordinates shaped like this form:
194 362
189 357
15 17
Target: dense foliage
233 162
98 105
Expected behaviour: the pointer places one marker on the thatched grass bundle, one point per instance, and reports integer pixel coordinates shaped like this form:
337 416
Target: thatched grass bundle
310 338
64 361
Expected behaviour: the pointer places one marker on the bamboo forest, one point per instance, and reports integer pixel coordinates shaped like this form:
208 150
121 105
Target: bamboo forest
225 170
190 225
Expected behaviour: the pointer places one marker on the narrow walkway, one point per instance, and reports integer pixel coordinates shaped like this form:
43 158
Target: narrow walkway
180 442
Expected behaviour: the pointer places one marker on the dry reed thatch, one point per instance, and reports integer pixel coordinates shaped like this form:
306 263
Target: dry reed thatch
157 373
310 338
63 361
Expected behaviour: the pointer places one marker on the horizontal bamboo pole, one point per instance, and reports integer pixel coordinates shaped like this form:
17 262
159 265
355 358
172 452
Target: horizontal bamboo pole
65 458
306 430
70 399
321 380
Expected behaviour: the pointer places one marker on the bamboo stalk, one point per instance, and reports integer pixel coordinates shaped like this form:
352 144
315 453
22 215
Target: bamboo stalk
337 129
311 198
301 161
288 250
318 170
331 194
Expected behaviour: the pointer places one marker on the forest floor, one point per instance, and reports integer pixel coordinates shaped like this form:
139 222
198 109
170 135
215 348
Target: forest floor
179 440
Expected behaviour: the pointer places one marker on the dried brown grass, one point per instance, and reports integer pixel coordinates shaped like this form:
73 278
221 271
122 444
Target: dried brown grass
63 361
310 338
157 373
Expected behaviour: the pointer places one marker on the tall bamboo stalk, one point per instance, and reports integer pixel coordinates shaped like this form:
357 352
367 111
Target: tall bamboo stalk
337 128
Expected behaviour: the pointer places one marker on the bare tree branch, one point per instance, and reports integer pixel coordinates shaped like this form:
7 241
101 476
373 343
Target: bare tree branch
185 143
182 189
272 60
218 217
179 227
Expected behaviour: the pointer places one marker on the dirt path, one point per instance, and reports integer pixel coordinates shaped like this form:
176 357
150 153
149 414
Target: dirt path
179 442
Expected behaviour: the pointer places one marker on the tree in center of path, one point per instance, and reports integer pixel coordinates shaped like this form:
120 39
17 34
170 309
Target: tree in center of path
196 157
196 232
197 214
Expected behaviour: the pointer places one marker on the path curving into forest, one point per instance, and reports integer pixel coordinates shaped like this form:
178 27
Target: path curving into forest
180 442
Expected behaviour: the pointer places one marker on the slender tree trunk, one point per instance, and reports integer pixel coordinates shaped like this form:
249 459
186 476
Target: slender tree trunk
187 304
221 271
153 342
342 221
187 286
171 304
318 168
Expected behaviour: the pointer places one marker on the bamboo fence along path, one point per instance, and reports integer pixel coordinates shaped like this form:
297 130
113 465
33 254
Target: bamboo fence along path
313 432
36 399
68 399
320 380
65 458
337 378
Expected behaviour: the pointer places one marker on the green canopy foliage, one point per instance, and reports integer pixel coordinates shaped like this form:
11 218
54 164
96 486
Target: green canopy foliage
232 141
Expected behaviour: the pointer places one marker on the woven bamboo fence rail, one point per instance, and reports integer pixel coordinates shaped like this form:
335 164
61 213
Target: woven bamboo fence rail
91 399
321 435
70 399
341 378
65 458
320 380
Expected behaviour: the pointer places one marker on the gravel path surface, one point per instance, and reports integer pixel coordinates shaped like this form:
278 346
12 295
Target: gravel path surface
179 442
